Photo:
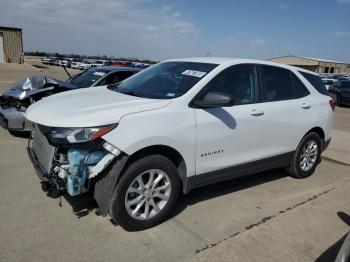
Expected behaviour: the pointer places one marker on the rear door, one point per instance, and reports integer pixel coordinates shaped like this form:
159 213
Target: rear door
288 109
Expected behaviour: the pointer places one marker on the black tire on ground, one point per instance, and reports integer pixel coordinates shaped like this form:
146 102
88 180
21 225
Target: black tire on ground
295 169
119 211
338 100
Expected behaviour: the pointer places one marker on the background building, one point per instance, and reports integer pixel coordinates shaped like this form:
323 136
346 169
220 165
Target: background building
314 64
11 45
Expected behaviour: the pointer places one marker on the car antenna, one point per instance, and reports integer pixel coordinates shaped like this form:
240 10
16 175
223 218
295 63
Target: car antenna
65 69
70 77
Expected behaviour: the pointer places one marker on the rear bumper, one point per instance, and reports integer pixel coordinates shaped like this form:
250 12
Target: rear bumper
14 120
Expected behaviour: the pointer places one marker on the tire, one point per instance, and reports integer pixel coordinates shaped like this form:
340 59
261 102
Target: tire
338 100
158 208
301 168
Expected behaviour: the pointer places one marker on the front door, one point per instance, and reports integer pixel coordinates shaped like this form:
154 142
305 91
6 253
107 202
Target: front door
229 136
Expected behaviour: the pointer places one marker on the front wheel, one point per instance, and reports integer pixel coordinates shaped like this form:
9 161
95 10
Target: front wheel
146 193
306 157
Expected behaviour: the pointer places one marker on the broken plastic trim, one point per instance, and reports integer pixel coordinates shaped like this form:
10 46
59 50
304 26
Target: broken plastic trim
105 161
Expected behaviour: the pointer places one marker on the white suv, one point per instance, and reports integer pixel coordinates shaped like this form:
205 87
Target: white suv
175 126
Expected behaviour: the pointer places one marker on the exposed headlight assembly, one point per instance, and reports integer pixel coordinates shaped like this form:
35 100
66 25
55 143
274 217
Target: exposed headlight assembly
59 135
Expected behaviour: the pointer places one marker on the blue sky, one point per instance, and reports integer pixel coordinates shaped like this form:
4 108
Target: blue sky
162 29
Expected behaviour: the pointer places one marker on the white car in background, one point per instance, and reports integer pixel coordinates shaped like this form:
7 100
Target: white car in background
176 126
85 65
75 65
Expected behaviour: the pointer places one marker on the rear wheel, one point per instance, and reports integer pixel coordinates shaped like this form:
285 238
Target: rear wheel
146 193
306 157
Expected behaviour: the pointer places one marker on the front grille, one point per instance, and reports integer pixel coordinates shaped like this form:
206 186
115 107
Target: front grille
43 151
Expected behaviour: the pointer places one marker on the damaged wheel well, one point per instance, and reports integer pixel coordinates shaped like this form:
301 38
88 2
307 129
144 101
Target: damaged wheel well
105 184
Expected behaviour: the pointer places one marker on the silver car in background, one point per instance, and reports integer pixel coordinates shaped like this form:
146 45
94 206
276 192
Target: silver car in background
20 95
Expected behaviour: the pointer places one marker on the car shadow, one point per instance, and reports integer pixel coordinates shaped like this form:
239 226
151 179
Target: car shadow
20 134
223 115
331 253
344 106
83 205
227 187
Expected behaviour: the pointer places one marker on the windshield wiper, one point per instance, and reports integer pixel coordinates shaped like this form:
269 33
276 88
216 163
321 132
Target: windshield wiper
130 93
113 87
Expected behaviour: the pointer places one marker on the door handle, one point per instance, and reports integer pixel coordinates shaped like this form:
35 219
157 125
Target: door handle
305 105
256 112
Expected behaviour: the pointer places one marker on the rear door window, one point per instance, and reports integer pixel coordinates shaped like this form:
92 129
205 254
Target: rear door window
277 84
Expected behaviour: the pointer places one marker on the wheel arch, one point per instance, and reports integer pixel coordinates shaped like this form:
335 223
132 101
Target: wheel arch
318 130
167 151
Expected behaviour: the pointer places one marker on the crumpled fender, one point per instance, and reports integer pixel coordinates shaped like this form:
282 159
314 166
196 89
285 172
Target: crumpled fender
106 183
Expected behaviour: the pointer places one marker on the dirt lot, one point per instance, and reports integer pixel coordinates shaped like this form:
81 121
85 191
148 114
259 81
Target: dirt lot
265 217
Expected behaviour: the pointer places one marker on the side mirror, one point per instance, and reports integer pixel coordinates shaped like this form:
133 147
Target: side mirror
214 100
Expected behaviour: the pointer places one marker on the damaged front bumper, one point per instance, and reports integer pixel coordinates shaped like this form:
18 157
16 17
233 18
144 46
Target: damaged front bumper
69 169
14 120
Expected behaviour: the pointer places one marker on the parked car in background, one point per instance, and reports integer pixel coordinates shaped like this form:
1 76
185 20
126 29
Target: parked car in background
107 63
75 65
96 64
45 60
341 89
49 60
328 82
178 125
85 65
66 63
19 96
122 64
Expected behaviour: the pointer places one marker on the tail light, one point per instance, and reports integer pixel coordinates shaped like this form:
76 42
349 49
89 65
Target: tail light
332 104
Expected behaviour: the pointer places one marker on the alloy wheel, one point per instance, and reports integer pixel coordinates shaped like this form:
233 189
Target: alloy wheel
308 155
148 194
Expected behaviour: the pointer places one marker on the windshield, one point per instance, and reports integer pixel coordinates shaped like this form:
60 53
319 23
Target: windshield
88 78
165 80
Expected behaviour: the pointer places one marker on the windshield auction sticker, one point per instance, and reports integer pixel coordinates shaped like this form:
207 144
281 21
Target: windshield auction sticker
99 73
194 73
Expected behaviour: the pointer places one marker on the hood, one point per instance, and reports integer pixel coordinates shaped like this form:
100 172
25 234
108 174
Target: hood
90 107
33 85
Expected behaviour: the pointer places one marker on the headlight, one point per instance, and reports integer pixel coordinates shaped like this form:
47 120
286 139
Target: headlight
60 135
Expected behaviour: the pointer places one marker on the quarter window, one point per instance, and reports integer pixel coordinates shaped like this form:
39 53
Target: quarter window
317 83
300 89
239 81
